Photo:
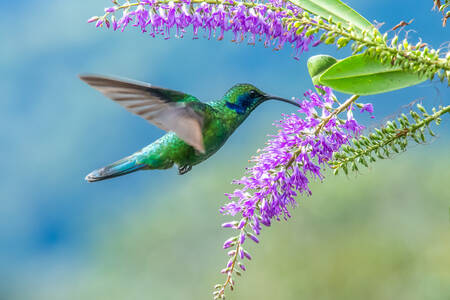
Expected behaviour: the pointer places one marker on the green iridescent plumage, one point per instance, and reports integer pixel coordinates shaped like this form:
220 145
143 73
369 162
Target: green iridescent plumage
196 129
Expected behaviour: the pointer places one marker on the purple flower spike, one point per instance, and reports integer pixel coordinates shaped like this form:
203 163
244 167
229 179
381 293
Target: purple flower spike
250 23
303 147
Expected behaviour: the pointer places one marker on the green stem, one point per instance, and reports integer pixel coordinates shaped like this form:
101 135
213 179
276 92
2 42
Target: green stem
378 46
395 136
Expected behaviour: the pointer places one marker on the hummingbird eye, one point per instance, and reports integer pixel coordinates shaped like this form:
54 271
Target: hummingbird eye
253 94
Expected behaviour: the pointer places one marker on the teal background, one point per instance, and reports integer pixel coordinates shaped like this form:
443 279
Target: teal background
382 234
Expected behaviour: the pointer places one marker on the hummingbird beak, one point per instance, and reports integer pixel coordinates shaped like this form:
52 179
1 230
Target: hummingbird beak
269 97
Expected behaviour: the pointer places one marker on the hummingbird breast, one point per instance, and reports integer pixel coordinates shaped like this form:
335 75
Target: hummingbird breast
170 149
215 134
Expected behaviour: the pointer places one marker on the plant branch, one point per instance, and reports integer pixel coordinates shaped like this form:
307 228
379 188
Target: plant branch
390 135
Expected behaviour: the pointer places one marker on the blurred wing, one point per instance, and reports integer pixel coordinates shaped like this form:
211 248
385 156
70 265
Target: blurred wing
162 107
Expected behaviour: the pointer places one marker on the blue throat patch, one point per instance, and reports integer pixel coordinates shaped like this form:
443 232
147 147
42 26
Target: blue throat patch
241 105
237 108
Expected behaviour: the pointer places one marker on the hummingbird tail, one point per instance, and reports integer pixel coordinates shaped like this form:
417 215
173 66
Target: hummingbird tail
119 168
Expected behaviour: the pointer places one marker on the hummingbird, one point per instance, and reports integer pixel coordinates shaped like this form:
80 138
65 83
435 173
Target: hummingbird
195 130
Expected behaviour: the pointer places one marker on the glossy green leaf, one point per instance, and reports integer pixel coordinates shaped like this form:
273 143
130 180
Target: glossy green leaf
340 12
318 64
365 75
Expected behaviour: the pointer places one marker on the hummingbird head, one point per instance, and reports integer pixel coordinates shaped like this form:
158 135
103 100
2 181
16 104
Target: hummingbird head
243 98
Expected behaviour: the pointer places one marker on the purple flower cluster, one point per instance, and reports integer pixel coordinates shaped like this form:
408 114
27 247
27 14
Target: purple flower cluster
250 20
284 168
296 153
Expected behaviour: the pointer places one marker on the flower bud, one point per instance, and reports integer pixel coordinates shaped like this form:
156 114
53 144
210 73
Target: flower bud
93 19
253 237
242 238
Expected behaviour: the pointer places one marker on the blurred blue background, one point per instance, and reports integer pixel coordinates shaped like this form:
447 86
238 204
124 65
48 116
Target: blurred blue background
383 234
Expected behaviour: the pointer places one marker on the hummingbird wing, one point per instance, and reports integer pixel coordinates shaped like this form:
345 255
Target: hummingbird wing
169 110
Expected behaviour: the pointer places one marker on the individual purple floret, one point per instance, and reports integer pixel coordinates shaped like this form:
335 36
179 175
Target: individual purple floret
367 107
249 21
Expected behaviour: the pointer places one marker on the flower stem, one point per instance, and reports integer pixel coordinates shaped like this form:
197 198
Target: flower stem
228 281
336 112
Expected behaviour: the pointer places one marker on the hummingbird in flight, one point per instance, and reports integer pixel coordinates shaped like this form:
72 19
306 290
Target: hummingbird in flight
195 130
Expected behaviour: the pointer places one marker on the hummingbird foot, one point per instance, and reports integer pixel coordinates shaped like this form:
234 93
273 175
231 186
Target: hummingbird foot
184 169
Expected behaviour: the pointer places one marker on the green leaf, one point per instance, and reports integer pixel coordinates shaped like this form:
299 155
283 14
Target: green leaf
339 11
365 75
318 64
